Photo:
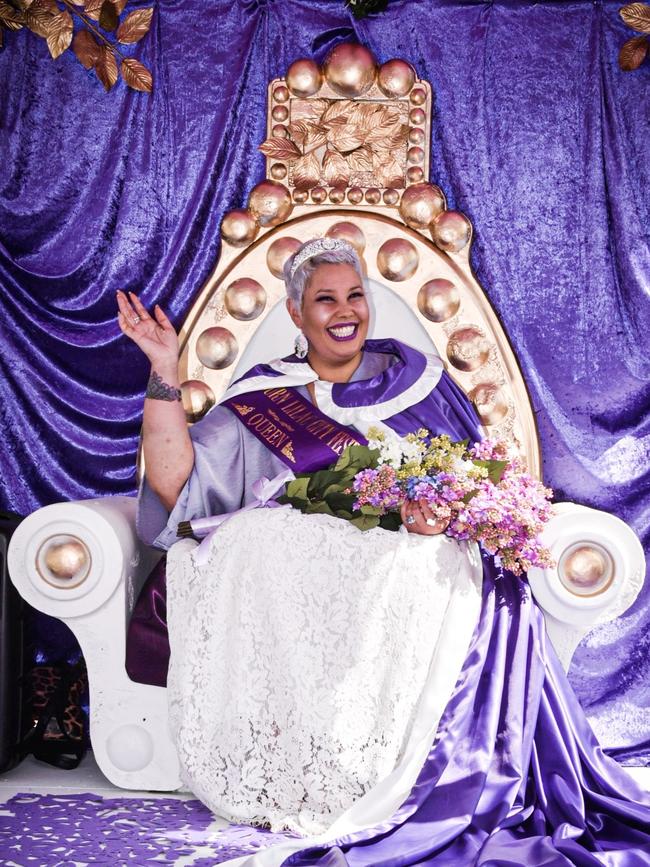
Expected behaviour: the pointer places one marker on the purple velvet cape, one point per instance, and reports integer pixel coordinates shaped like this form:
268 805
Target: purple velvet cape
515 775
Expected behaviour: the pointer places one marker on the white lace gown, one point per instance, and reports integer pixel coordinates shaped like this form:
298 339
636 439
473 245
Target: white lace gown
310 665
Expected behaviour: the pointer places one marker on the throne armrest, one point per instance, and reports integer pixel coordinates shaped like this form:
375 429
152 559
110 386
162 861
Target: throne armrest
83 563
599 572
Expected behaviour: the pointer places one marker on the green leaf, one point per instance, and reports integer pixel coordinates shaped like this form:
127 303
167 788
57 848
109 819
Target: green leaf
340 501
320 508
365 522
297 488
321 480
391 521
495 469
371 510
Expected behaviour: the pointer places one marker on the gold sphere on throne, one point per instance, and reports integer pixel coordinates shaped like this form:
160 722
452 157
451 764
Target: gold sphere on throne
421 204
350 69
304 77
438 300
66 560
451 231
270 203
586 569
468 348
489 402
239 227
396 77
197 399
245 299
397 259
346 231
216 347
278 253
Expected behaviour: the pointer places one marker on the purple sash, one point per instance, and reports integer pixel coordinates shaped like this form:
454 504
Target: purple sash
303 437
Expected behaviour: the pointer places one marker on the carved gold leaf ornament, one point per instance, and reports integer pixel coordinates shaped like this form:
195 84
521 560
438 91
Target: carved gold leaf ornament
336 169
119 5
136 75
59 33
306 172
135 26
280 148
106 67
93 8
86 48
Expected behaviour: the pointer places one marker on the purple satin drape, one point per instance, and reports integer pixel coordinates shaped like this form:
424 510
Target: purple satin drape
537 136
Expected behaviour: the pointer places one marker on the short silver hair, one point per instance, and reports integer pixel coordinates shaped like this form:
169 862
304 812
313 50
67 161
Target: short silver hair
297 282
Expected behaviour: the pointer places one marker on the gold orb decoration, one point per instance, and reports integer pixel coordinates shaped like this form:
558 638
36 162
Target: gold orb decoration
245 299
278 171
468 348
438 300
280 113
355 195
300 196
396 77
391 196
397 259
415 155
278 253
586 569
416 136
346 231
418 96
414 175
216 347
337 195
373 196
451 231
239 227
304 77
270 203
417 116
318 194
421 204
281 94
67 559
490 403
350 69
197 399
280 131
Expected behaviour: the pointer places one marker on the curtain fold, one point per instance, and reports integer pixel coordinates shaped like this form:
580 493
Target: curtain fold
537 136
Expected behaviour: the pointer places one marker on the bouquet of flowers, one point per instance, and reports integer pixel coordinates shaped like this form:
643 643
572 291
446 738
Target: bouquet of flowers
482 492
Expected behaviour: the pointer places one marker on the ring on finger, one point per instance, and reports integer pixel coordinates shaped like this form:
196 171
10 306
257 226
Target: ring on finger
136 319
410 519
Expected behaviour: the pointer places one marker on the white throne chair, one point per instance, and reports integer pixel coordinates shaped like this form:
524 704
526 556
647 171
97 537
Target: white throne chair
347 156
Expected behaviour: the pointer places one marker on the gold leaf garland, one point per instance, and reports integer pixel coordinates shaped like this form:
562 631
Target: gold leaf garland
54 22
635 50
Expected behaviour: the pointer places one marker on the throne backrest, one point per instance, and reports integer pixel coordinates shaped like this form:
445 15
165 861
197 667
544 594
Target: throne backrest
348 156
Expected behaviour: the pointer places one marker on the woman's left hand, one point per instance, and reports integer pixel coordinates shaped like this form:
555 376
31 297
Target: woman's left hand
417 517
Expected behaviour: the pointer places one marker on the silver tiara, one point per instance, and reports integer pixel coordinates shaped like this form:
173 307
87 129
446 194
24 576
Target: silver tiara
313 248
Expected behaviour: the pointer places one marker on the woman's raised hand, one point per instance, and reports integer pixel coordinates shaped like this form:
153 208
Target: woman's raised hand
155 337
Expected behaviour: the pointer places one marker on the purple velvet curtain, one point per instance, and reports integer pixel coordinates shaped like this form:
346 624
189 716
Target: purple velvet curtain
537 136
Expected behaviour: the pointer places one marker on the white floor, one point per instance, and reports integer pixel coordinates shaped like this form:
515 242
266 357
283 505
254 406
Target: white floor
34 776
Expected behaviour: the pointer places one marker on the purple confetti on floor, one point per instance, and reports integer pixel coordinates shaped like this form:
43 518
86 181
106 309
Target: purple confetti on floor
57 830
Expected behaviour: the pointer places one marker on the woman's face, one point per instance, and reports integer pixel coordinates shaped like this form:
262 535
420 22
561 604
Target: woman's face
334 315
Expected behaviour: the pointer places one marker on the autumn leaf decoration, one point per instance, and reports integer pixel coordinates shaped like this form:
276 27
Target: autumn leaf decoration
338 142
90 44
635 50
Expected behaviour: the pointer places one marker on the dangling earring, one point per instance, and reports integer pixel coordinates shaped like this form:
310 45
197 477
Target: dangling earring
301 346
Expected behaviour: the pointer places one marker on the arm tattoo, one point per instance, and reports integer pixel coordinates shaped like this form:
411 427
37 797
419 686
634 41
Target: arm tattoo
157 389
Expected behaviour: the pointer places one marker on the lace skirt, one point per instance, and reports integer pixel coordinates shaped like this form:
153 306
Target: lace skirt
310 661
